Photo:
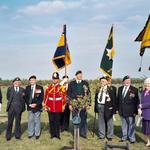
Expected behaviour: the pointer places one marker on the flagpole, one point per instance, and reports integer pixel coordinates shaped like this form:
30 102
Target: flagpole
65 70
66 48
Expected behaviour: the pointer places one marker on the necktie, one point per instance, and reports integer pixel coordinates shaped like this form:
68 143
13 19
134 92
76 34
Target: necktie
124 92
31 93
16 89
101 96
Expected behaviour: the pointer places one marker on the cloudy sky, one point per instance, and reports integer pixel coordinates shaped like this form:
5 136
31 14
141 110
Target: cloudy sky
30 30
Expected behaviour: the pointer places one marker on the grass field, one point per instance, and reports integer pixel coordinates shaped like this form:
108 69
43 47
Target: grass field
45 143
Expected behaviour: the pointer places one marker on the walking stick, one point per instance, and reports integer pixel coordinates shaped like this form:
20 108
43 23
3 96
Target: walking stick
94 124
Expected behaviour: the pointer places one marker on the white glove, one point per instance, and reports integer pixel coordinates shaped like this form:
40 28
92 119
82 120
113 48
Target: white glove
63 81
114 118
0 106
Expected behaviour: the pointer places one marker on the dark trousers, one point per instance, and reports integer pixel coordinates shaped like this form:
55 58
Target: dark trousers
54 123
83 124
13 114
65 118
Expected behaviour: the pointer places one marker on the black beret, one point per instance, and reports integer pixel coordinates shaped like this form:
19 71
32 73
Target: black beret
17 79
55 75
125 78
78 72
65 77
32 77
103 78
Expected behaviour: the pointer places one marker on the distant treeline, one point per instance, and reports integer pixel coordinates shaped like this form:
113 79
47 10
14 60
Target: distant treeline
92 82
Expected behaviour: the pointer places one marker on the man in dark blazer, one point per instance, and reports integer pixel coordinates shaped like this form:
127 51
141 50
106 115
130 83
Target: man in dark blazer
0 99
127 106
79 87
15 107
105 107
34 95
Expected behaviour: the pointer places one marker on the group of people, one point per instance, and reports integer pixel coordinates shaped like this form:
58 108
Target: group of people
127 102
109 102
57 101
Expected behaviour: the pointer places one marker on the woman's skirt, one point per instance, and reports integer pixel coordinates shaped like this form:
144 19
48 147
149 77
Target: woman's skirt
146 127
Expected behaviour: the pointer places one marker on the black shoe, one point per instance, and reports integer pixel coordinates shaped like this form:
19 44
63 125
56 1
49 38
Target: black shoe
30 137
8 138
122 140
18 138
132 142
109 139
37 137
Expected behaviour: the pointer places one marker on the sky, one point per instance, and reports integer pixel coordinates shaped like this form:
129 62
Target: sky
30 31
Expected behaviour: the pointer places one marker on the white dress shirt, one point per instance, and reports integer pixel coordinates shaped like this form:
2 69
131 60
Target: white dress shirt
16 89
78 81
104 95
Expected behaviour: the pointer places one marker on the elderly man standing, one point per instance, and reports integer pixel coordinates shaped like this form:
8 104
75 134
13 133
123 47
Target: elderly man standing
79 88
34 99
15 107
105 107
127 106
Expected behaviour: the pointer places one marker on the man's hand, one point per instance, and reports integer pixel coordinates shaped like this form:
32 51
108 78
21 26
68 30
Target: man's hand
70 107
140 105
32 105
0 107
139 111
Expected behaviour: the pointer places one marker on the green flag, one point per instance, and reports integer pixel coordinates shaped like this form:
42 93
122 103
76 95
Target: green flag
107 59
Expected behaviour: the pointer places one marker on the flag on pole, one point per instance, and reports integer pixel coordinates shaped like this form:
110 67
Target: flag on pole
144 37
108 55
62 56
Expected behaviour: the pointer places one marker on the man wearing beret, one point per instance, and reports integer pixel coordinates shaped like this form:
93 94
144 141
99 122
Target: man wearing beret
15 107
79 88
105 106
54 102
34 98
127 106
0 99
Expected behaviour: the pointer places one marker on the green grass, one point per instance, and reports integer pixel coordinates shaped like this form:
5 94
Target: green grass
45 143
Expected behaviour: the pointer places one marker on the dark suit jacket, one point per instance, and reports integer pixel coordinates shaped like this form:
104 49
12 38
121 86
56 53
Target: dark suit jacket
38 98
21 96
72 90
110 106
0 96
128 106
